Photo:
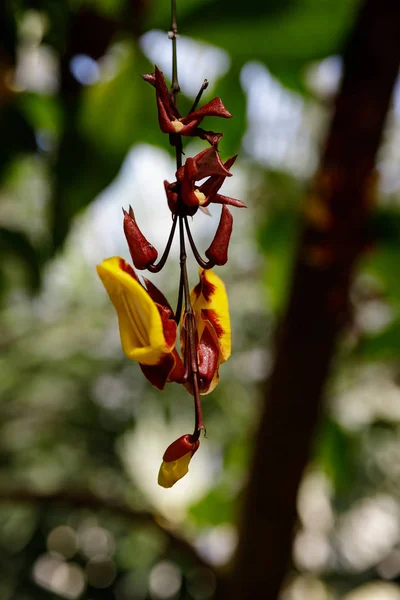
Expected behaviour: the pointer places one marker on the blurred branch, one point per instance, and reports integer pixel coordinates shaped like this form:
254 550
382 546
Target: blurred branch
84 499
334 236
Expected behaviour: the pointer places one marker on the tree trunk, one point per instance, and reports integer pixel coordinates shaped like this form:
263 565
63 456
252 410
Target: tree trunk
333 237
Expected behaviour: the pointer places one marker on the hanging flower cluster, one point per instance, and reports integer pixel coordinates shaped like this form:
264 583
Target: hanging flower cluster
148 325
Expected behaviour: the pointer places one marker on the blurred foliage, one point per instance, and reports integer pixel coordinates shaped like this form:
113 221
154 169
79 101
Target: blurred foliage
73 412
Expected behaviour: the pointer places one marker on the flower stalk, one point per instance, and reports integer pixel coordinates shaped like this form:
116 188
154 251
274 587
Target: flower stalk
148 325
191 366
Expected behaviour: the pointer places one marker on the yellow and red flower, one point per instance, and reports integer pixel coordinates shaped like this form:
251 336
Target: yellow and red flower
148 329
211 310
146 324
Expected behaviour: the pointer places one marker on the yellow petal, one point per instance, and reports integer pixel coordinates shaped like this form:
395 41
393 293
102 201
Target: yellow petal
170 472
140 324
209 296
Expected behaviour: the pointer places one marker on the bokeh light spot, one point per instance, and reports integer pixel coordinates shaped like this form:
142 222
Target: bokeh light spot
63 541
85 69
95 541
165 580
54 574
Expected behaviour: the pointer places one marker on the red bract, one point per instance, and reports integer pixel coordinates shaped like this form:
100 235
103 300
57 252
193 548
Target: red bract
142 252
217 253
170 120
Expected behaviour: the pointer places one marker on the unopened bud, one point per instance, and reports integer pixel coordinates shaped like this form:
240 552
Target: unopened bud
142 252
218 250
176 460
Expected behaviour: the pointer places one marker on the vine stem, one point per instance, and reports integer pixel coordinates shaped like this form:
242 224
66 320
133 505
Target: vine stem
190 358
156 268
189 324
173 34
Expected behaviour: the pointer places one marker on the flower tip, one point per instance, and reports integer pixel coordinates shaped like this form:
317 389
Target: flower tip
150 78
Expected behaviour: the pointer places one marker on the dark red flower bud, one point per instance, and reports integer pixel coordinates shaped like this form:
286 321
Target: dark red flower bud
142 252
218 250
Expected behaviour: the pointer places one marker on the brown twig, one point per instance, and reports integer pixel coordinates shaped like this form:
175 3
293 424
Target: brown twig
332 240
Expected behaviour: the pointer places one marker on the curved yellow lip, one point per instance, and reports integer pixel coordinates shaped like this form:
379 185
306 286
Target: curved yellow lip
140 325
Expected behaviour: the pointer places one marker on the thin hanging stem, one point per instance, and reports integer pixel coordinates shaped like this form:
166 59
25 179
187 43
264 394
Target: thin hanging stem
156 268
179 304
198 423
183 257
173 34
190 358
204 264
191 335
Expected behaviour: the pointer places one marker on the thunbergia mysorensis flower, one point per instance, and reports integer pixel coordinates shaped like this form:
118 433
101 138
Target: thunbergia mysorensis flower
205 164
148 326
170 120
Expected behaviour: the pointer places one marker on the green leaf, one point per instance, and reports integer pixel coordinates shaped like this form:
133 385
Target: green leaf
120 112
336 452
383 259
284 36
216 508
383 264
159 17
83 170
42 112
229 89
109 118
303 31
383 346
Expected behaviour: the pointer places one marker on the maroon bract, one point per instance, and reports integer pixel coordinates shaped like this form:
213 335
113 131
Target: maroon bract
142 252
217 253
